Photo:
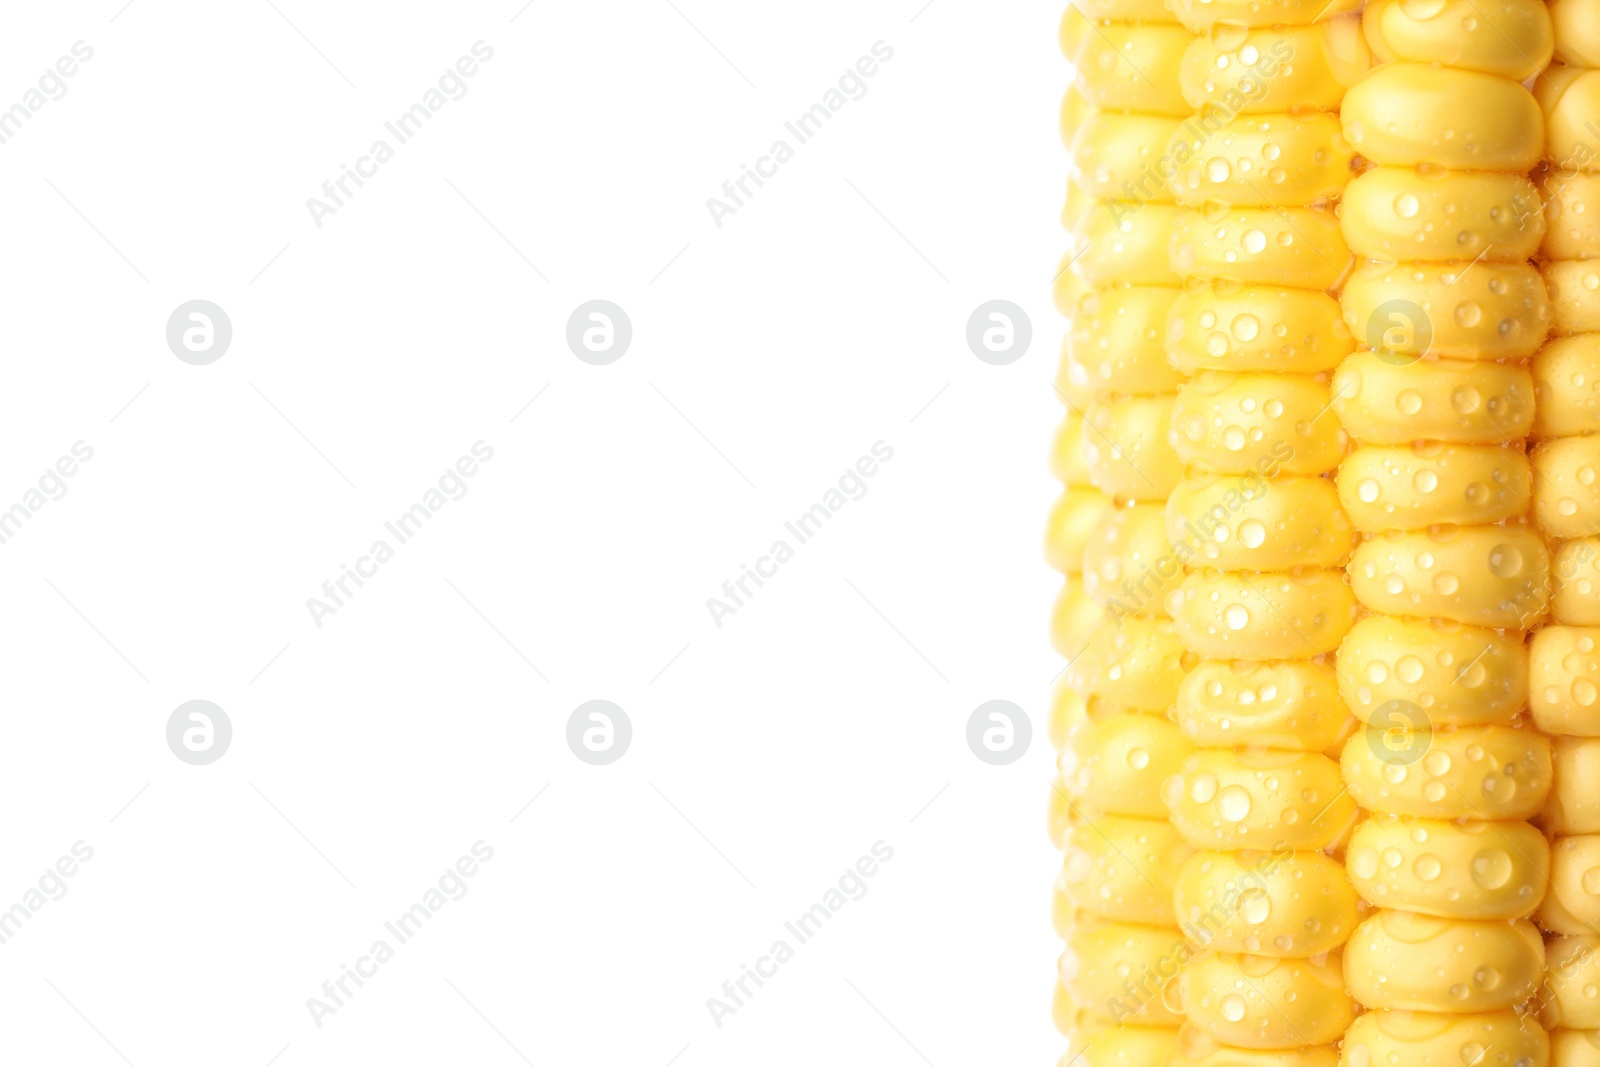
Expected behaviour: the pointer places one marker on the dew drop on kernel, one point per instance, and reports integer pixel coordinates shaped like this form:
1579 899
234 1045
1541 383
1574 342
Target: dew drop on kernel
1233 803
1505 561
1492 868
1255 906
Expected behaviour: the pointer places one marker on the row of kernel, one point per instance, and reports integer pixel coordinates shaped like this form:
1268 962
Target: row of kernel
1438 399
1260 167
1114 897
1563 666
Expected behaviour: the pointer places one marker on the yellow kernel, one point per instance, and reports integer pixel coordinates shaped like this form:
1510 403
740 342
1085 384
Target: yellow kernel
1263 616
1258 799
1411 487
1235 523
1487 870
1406 114
1409 962
1279 904
1503 575
1288 704
1256 1002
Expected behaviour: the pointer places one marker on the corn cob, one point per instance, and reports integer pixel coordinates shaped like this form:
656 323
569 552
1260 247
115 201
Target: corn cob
1431 446
1563 669
1113 900
1438 401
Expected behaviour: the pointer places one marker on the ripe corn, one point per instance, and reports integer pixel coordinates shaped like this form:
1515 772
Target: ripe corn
1331 529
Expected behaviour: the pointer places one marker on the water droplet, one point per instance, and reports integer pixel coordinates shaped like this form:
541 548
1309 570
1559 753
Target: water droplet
1505 561
1405 205
1233 803
1255 906
1492 868
1233 1007
1254 241
1252 534
1364 864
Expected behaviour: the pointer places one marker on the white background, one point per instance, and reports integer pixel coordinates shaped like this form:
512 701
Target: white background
821 718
